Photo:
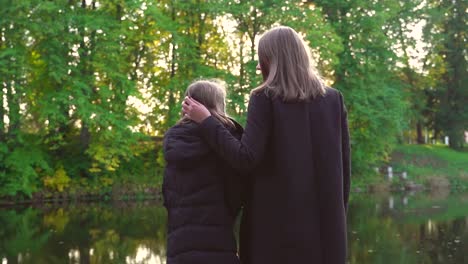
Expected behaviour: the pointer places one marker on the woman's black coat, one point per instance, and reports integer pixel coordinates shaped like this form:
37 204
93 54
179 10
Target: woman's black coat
299 156
202 194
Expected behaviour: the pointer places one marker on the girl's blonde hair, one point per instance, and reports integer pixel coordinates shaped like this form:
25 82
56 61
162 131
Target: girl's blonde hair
286 66
212 94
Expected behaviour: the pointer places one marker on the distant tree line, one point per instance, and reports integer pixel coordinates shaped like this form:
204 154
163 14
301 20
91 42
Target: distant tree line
85 84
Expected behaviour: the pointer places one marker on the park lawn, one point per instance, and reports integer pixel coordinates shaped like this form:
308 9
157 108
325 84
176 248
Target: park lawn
428 162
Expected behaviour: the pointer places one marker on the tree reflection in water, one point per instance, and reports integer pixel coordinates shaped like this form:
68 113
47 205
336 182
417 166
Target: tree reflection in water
85 233
414 228
383 229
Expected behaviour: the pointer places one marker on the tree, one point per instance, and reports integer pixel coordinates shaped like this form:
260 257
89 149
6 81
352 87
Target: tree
20 153
447 58
410 13
84 83
367 76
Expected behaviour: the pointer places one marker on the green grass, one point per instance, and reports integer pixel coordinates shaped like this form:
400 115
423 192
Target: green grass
428 162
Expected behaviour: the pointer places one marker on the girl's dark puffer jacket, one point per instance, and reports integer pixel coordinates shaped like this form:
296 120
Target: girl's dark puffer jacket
203 196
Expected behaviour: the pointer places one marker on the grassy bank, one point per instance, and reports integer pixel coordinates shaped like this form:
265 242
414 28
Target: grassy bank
432 165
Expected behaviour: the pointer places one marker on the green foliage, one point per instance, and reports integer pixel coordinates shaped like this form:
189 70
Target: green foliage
57 182
20 168
72 67
84 84
21 232
368 75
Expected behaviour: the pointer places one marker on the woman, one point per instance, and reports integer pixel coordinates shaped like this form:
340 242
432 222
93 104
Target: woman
296 146
201 192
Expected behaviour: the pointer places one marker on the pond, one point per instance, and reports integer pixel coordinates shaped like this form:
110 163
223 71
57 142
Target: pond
386 228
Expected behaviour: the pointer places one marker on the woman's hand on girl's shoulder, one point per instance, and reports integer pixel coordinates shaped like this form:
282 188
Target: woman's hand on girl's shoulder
194 110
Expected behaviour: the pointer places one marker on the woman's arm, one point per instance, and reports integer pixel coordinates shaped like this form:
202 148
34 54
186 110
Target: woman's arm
246 153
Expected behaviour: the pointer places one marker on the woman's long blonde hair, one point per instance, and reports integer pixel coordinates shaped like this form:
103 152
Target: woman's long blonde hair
212 94
286 66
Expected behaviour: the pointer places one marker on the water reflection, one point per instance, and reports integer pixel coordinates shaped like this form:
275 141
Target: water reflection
414 228
409 228
91 233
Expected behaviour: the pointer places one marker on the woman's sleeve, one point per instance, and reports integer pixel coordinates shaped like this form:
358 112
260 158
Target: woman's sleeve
246 153
346 153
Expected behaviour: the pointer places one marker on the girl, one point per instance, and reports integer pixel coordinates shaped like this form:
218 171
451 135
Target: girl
201 192
296 143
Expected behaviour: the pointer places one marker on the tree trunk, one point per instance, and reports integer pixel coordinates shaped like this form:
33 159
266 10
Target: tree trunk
171 100
2 115
253 35
87 72
419 133
13 110
84 133
334 15
88 76
242 76
2 108
201 32
241 63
